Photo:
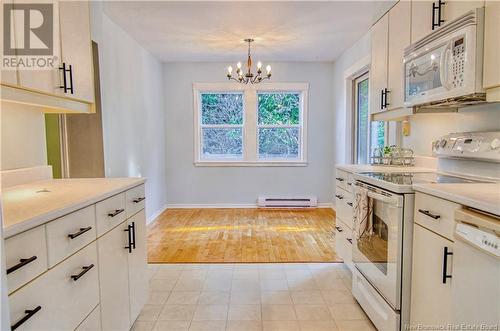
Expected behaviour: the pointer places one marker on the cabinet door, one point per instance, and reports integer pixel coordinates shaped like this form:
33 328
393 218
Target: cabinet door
113 277
491 67
76 47
137 266
44 80
421 19
430 297
378 73
455 8
399 38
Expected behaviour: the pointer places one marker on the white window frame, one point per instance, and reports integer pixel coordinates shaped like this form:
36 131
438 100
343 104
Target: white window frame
250 126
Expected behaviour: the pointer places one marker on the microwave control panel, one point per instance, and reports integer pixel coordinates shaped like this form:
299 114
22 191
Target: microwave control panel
473 145
458 63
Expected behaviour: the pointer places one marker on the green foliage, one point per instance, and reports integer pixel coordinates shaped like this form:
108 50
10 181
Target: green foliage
222 108
279 108
279 142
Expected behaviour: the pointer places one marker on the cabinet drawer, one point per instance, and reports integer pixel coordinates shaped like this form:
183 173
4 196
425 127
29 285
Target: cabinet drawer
344 242
26 257
110 213
92 322
343 204
435 214
68 234
64 301
341 178
136 198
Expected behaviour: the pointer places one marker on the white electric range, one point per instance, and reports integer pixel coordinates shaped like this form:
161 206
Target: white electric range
382 252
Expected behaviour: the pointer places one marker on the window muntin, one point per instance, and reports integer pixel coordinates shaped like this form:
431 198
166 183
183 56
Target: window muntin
279 125
222 119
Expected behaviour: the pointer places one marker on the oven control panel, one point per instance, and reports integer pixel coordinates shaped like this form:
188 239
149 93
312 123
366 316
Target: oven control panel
472 145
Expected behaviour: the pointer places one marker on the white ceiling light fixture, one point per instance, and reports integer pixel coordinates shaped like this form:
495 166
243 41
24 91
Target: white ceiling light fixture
248 76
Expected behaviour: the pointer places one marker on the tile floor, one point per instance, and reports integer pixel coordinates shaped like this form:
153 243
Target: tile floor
247 297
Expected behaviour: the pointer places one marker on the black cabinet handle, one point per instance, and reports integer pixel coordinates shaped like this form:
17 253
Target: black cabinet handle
116 212
386 91
445 264
22 263
428 213
340 179
84 271
350 204
79 233
29 313
138 200
350 184
339 196
129 232
133 235
349 240
436 21
339 229
382 99
67 69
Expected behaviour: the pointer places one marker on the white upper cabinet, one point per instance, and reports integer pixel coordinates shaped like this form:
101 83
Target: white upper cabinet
67 85
399 39
421 19
378 71
76 48
491 67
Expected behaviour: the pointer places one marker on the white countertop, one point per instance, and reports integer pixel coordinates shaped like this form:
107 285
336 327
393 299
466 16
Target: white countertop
482 196
24 207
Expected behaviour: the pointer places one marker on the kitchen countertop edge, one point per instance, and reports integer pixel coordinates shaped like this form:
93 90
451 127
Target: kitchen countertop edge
38 220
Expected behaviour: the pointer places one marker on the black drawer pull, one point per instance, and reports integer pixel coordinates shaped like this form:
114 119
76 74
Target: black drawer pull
350 184
340 179
84 271
445 264
349 240
338 196
116 212
428 213
79 233
131 244
350 204
29 313
138 200
22 263
339 229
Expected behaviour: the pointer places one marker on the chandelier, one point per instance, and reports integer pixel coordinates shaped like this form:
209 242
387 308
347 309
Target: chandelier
248 76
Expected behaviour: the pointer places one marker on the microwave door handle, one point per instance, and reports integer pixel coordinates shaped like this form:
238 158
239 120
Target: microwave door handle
444 67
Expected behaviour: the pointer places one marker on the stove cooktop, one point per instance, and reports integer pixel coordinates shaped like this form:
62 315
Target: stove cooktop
408 178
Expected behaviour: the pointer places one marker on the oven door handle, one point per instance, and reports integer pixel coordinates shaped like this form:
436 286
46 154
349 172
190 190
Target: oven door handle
391 201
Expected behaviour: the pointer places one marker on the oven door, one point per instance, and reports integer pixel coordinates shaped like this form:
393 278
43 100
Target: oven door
377 249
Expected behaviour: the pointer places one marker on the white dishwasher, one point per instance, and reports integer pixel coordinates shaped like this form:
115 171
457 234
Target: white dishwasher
476 270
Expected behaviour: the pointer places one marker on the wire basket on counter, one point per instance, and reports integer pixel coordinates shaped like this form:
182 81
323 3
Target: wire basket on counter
393 155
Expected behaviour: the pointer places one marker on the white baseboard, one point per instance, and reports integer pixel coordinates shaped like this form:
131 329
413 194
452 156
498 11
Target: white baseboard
156 214
230 205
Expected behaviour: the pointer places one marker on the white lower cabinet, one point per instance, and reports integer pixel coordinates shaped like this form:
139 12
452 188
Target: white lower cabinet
89 283
431 286
137 269
114 282
61 298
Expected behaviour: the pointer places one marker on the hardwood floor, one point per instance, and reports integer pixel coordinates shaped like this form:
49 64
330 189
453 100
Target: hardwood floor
242 235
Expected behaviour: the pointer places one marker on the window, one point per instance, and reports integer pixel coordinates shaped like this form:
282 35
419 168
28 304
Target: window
222 125
279 125
250 125
368 135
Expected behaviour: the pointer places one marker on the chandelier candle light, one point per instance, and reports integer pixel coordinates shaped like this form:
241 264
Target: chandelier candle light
248 77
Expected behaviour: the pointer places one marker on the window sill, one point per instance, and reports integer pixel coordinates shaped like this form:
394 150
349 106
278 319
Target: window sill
250 164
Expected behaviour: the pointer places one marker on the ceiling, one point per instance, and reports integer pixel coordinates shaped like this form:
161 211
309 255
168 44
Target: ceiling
214 31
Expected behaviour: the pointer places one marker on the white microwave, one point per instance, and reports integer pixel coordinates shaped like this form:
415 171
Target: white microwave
445 68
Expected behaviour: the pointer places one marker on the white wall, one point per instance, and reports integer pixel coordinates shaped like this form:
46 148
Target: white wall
132 109
188 184
22 137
